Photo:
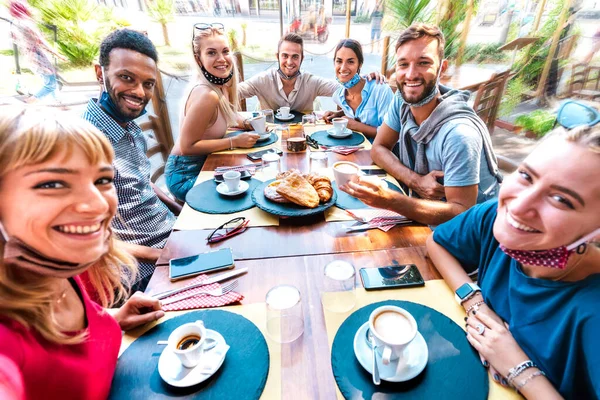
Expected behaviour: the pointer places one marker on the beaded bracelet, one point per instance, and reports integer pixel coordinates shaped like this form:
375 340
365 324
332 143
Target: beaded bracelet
230 144
518 370
529 378
474 307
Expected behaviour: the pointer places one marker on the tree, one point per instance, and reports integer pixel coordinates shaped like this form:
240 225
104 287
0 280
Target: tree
162 11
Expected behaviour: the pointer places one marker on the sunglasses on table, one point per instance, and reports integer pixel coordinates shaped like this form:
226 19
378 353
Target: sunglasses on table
312 142
228 229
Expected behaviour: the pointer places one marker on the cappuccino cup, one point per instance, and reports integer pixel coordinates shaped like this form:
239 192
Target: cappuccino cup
259 124
344 172
187 343
393 329
284 112
339 125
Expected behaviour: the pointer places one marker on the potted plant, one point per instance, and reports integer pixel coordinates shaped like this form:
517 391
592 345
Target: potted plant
536 124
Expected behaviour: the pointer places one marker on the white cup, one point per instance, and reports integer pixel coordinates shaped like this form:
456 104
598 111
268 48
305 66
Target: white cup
344 172
259 124
232 180
339 125
393 329
284 112
181 339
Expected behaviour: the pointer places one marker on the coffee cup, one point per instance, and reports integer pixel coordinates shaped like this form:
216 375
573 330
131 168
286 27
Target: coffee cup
339 125
393 329
284 112
259 124
187 343
232 180
344 172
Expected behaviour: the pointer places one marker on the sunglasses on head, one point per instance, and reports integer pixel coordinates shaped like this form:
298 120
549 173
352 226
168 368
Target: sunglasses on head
228 229
202 26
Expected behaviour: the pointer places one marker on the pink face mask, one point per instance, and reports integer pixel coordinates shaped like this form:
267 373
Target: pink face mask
552 258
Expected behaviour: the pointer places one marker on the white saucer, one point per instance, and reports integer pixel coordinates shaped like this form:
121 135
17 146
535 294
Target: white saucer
222 188
347 132
263 136
174 373
414 360
282 118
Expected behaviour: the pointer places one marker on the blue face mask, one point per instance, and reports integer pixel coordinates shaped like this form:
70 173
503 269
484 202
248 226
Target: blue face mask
426 99
109 106
351 83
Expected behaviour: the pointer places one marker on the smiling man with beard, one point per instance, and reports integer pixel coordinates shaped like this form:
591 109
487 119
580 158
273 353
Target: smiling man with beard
127 74
446 158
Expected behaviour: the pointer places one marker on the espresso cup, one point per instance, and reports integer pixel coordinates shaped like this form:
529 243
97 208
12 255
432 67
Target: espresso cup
344 172
393 329
187 343
232 180
339 125
284 112
259 124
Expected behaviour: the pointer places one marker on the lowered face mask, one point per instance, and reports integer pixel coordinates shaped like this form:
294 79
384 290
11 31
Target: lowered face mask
434 92
109 106
551 258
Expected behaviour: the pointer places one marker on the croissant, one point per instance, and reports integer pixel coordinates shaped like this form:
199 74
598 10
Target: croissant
322 185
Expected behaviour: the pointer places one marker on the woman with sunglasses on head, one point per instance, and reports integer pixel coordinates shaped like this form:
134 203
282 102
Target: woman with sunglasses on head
363 103
210 108
534 316
57 201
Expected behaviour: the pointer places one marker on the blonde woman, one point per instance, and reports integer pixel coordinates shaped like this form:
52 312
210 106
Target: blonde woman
57 201
210 108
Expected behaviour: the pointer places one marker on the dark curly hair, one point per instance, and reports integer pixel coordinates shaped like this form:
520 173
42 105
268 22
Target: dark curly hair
126 39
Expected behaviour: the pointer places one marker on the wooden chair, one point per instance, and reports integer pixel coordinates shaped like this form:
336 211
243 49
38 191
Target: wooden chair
488 97
585 82
240 66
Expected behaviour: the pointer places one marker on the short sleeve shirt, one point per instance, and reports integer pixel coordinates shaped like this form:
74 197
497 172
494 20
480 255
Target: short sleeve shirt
376 99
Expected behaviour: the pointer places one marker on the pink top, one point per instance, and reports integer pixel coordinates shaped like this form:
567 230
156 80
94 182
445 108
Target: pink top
39 369
216 130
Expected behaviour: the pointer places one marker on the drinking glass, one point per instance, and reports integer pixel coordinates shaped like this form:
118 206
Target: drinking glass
308 119
339 282
285 319
269 115
271 165
318 161
283 131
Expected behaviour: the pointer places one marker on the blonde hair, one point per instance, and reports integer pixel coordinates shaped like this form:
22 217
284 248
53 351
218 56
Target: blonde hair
227 108
587 136
29 137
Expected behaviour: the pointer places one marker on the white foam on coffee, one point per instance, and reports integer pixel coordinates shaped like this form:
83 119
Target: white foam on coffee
346 168
393 327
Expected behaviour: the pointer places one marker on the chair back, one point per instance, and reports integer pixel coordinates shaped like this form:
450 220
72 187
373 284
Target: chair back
240 67
488 97
162 143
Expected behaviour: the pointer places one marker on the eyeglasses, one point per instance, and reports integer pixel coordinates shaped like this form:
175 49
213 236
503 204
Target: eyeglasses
228 229
312 142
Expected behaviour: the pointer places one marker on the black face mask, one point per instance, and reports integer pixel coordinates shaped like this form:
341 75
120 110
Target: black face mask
109 106
215 80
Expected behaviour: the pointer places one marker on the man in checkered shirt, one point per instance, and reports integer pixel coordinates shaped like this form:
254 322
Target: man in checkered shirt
127 74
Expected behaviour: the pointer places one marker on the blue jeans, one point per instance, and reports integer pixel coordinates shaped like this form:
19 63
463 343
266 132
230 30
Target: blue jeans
48 88
181 173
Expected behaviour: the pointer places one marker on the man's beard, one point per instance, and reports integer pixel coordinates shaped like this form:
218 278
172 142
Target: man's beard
123 109
427 88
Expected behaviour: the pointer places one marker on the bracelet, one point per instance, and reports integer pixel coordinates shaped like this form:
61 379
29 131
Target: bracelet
518 370
529 378
474 307
230 144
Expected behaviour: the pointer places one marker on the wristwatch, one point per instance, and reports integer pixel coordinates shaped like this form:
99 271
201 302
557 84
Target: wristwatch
465 292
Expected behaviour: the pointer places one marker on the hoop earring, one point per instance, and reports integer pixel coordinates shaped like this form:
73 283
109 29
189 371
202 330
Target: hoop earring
581 248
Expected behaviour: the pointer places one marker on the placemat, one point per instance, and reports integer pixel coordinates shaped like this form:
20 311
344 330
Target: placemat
261 143
453 370
297 118
323 138
286 209
242 375
205 198
347 202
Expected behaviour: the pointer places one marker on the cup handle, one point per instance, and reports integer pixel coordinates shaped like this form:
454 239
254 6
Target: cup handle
386 355
200 323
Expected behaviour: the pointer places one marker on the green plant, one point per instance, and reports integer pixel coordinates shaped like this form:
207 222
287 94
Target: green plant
232 38
8 52
512 96
362 19
539 122
407 12
484 52
162 11
244 26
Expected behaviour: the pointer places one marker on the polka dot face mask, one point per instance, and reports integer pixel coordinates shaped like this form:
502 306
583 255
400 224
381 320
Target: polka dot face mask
215 79
552 258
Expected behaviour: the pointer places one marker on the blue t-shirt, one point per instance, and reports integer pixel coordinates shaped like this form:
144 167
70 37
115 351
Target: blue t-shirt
557 324
457 150
376 99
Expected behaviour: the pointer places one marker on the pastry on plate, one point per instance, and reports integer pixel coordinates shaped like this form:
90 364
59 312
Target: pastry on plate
298 190
322 185
271 192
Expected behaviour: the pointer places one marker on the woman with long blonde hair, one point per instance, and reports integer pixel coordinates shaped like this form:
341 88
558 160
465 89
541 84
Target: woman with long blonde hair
210 108
57 201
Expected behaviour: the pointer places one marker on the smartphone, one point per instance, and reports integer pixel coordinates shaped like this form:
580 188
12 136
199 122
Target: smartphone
375 172
390 277
210 261
257 155
244 175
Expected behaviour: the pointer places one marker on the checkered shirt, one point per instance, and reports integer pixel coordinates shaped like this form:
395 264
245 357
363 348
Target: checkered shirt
142 217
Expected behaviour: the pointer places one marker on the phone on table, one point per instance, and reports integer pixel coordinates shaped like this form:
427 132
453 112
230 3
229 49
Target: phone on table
373 172
210 261
257 155
390 277
245 174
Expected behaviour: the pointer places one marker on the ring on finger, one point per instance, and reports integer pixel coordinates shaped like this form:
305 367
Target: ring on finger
480 328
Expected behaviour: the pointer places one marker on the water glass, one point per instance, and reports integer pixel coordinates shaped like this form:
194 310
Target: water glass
339 281
271 165
269 115
283 131
285 319
318 162
308 119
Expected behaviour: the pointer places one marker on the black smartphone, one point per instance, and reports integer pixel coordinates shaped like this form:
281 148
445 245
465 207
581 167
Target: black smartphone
257 155
376 172
244 175
390 277
211 261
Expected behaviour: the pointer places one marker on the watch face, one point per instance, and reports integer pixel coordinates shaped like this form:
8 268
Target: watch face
463 291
